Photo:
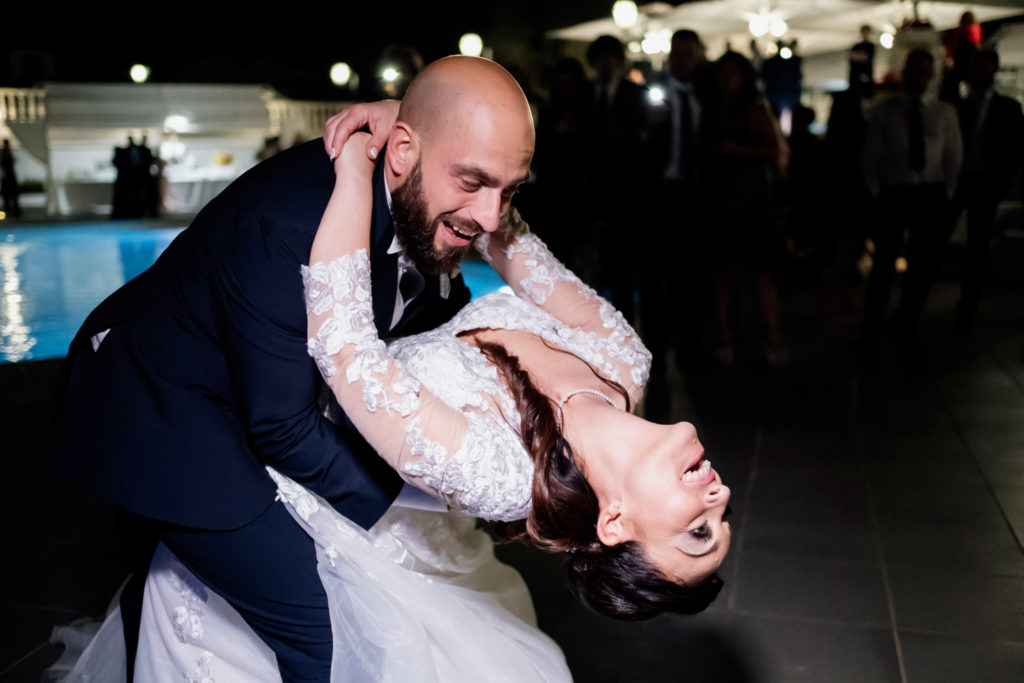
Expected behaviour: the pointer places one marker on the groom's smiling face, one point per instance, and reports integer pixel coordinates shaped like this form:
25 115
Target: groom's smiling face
416 229
461 175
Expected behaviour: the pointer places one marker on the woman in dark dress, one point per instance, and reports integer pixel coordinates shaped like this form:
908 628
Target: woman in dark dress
743 237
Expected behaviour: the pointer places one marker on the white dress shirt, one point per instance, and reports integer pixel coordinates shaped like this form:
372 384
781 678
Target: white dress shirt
886 157
406 268
674 170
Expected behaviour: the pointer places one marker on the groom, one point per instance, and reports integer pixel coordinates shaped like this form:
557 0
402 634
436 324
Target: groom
187 381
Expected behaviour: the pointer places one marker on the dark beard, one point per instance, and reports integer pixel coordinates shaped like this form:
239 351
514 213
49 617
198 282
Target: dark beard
416 232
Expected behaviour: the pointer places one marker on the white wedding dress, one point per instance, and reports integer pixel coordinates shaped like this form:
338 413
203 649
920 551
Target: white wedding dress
420 597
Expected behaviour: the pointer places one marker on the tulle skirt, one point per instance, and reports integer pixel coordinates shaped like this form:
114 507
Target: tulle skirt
420 598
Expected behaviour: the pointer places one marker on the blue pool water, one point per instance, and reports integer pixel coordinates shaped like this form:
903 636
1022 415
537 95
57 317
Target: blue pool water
52 276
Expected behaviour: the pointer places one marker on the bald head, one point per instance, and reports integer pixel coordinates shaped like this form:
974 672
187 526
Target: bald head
454 91
457 154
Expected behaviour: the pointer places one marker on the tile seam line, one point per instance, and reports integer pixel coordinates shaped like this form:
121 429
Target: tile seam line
981 470
1002 366
917 631
24 657
747 496
817 621
890 602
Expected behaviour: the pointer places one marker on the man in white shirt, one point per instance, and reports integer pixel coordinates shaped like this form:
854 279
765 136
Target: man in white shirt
911 162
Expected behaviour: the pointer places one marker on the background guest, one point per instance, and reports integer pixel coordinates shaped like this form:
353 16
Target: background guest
9 181
862 64
962 43
742 226
560 168
912 156
783 80
271 146
992 128
807 185
616 127
671 282
848 201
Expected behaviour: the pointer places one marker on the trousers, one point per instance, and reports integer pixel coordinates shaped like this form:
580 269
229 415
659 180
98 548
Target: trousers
266 569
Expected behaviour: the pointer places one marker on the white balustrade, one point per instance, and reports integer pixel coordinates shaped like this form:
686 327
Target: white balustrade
22 105
307 116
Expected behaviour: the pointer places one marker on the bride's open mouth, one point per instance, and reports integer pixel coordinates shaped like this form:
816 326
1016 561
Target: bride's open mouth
699 471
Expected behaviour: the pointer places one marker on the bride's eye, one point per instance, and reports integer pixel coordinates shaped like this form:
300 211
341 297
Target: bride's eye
697 542
701 533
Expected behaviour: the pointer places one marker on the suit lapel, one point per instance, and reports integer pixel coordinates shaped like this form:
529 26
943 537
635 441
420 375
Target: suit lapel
384 266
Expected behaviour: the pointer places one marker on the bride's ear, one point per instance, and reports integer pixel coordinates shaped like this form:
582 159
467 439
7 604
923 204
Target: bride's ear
612 529
403 149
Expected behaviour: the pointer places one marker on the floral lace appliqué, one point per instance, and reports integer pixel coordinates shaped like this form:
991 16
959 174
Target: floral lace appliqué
188 617
620 346
302 501
545 269
201 673
342 287
489 476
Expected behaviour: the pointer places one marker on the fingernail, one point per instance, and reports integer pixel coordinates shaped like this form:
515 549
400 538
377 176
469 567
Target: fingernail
332 154
373 152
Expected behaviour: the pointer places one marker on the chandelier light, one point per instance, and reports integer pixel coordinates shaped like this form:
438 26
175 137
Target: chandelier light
625 13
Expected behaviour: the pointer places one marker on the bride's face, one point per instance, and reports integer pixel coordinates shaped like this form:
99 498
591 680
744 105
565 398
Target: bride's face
667 497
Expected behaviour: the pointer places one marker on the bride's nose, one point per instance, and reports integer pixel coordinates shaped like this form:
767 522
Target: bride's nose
687 433
717 494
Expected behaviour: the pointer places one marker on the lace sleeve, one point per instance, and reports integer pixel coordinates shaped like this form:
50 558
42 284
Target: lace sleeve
443 451
525 264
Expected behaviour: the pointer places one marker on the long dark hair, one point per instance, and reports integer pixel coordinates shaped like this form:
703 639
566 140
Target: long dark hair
747 94
616 581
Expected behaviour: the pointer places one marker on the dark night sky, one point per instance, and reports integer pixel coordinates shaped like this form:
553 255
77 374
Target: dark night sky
291 51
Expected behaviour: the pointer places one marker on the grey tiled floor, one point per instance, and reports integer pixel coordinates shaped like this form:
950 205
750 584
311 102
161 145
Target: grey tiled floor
878 519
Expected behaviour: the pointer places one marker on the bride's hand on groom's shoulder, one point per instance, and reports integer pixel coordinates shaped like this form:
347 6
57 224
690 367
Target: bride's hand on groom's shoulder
352 163
377 117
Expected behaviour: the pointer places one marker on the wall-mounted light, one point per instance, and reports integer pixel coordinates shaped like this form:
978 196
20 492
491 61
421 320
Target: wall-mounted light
341 74
471 45
139 73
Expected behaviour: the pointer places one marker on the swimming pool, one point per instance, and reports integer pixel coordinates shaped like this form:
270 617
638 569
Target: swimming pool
52 276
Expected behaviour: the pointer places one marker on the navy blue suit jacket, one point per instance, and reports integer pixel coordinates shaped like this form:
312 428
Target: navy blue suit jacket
204 377
1003 145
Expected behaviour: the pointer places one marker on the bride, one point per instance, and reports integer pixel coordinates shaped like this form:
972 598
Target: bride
517 410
